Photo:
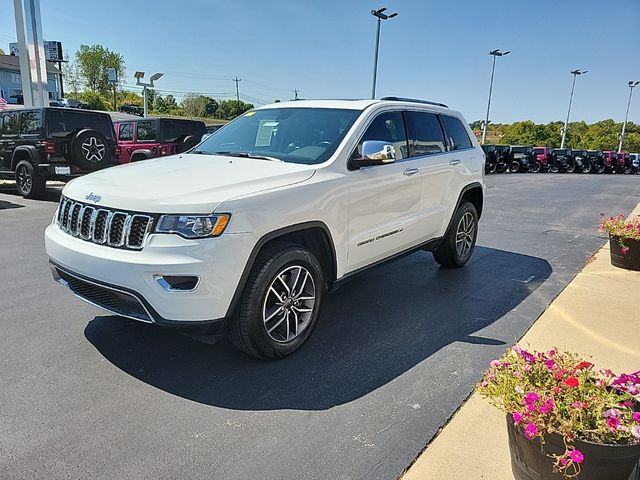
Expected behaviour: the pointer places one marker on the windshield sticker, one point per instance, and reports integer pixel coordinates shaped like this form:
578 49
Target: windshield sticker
249 114
265 133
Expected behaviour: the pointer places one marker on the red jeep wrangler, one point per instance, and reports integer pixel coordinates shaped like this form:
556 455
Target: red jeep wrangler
543 156
155 137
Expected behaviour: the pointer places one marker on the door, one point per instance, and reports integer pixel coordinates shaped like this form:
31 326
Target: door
124 132
429 148
384 200
147 136
9 137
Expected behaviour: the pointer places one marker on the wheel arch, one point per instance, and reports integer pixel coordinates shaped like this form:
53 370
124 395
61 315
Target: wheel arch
142 154
313 235
24 152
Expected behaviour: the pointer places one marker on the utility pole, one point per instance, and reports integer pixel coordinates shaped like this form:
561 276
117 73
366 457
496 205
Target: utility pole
295 93
495 53
575 74
631 84
237 80
380 15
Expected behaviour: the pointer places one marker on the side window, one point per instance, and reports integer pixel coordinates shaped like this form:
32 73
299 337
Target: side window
10 124
31 123
386 127
146 131
126 131
426 136
456 133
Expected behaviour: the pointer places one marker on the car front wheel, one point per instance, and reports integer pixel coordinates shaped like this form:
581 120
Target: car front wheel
280 304
28 182
460 240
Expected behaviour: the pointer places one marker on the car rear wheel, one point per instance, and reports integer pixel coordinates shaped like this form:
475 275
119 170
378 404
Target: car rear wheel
187 143
460 240
571 168
514 167
280 304
586 168
553 168
90 150
535 167
600 169
28 182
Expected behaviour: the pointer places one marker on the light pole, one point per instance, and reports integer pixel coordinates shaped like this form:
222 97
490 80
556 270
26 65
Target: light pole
631 84
380 15
575 74
138 76
494 53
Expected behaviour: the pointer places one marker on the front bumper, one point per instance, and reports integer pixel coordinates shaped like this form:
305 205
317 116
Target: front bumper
125 281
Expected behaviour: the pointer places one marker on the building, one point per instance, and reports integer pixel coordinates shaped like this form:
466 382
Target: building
11 82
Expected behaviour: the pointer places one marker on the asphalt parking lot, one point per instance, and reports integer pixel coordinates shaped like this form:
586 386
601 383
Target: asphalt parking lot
88 395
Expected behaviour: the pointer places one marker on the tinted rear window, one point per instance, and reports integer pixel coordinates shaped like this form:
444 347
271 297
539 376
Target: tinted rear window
176 130
31 122
65 122
458 137
426 136
10 124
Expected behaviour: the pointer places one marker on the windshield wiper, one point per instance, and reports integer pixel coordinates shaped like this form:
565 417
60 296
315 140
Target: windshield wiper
200 152
247 155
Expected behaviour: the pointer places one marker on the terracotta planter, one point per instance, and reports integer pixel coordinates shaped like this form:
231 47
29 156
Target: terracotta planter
631 260
601 462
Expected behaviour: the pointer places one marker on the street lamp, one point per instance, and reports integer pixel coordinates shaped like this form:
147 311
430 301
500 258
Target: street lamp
139 76
575 73
494 53
380 15
631 84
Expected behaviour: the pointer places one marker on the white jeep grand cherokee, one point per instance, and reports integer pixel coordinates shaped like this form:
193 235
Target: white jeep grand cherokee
247 231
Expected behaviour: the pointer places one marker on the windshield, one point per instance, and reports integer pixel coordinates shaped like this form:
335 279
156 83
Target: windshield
520 149
295 135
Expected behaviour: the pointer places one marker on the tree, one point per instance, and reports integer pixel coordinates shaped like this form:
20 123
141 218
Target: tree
2 52
128 98
196 105
228 109
94 100
93 62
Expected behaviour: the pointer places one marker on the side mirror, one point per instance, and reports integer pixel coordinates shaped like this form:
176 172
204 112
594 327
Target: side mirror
375 152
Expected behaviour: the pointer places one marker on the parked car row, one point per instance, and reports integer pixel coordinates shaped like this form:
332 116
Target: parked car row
521 159
51 143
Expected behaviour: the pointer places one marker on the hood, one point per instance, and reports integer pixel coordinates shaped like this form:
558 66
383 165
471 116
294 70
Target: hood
186 183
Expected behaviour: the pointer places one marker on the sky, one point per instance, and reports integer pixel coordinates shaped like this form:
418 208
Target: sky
435 50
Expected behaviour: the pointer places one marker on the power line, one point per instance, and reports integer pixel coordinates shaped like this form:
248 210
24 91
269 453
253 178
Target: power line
237 80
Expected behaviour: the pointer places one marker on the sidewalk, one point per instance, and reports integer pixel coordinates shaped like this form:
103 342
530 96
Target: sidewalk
588 318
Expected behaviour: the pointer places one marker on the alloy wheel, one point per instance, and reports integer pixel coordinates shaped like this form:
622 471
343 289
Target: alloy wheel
25 180
464 234
289 304
93 149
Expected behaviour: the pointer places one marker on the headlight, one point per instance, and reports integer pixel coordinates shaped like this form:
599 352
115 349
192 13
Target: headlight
193 226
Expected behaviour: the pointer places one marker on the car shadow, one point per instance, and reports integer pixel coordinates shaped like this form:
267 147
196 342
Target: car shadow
371 330
51 193
4 205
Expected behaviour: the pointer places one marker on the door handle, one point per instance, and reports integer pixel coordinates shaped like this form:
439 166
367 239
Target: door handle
454 162
410 171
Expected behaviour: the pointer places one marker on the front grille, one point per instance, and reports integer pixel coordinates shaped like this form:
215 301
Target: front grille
104 225
116 301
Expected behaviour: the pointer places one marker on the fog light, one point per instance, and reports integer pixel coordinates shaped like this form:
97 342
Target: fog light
177 283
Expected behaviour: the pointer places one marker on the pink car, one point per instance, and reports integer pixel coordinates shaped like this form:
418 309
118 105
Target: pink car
543 156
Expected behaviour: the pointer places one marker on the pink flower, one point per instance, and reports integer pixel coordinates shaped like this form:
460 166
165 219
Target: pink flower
530 430
528 357
564 461
613 423
636 417
531 397
612 412
624 250
576 456
579 405
547 406
635 431
550 364
552 352
517 417
495 363
572 382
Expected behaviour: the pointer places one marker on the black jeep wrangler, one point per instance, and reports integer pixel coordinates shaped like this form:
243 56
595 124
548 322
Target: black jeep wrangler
496 158
44 143
562 160
522 159
582 161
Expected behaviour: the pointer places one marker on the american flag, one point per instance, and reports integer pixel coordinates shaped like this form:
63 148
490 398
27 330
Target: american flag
3 104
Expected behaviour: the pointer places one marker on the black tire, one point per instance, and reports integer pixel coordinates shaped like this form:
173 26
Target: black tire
600 170
492 168
28 182
90 150
571 168
514 167
627 170
535 167
187 143
586 167
447 253
553 168
247 330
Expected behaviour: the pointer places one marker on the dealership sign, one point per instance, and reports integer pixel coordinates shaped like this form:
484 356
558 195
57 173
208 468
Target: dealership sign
52 50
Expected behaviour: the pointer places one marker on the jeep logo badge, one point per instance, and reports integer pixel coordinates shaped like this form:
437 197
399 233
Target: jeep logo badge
92 197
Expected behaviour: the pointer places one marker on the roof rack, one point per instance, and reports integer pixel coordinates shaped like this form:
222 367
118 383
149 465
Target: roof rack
414 100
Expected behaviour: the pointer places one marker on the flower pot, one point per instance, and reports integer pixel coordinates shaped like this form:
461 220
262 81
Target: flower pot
601 462
631 259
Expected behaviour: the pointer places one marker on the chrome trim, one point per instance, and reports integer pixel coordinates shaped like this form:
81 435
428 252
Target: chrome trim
147 230
168 288
65 284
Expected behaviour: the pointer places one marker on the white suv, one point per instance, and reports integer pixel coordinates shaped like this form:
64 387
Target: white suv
247 231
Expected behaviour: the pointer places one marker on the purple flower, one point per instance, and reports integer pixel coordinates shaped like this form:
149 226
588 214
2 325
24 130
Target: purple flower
613 423
517 417
636 417
611 413
530 430
528 357
550 364
531 397
495 363
576 456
